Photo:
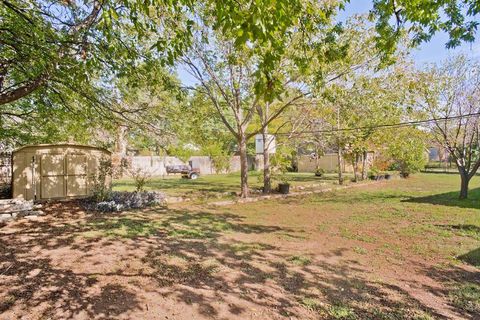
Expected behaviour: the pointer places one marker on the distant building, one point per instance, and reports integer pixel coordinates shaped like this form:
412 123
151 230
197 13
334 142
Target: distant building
271 144
436 153
433 154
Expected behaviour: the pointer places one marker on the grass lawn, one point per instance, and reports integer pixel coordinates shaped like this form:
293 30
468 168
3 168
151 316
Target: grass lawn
219 185
399 249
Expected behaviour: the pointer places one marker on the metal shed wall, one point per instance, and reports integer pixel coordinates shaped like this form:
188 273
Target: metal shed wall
58 171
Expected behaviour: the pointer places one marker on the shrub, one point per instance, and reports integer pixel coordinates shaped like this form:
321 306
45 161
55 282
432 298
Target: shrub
5 191
280 162
101 180
408 150
140 178
220 156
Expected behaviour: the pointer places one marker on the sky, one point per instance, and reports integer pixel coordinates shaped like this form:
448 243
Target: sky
430 52
433 51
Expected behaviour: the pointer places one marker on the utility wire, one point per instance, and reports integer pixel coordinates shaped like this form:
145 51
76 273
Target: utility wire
393 125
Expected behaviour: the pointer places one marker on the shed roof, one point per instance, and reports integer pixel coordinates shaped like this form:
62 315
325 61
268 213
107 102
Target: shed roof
47 145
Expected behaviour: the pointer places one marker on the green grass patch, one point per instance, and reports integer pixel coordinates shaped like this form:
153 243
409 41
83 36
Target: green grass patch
121 227
467 297
311 304
360 250
471 257
355 235
300 260
341 311
466 230
188 234
247 248
400 314
218 185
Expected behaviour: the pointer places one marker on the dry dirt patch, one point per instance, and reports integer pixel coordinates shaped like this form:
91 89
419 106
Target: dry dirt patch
354 254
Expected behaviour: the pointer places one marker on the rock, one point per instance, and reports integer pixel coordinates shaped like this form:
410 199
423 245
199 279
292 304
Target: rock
223 203
5 217
37 213
15 205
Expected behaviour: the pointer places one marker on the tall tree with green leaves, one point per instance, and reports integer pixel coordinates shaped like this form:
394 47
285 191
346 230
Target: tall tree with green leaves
339 82
422 19
407 148
147 102
240 82
58 60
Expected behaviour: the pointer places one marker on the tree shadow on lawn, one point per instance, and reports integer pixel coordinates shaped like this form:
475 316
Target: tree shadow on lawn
345 197
471 231
471 257
450 199
31 282
454 279
194 258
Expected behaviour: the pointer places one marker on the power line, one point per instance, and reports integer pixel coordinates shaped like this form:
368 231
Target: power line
393 125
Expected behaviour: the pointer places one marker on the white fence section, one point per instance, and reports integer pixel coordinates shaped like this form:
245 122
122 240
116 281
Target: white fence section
155 165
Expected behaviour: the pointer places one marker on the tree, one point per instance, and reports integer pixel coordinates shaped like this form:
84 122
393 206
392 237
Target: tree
147 103
75 40
58 60
355 92
407 149
422 19
449 94
228 75
58 45
369 100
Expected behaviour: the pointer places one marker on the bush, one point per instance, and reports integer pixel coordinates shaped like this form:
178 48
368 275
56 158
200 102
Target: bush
140 178
220 156
123 200
319 172
408 150
101 180
5 191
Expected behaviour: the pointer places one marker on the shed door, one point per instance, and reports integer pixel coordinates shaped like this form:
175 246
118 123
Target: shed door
76 175
52 176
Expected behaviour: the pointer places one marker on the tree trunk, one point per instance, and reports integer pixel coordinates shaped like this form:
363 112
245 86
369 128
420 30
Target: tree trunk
340 173
355 166
339 151
267 186
464 183
242 143
121 143
364 165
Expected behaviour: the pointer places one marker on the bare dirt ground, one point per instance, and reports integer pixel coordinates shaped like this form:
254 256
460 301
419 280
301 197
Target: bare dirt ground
376 253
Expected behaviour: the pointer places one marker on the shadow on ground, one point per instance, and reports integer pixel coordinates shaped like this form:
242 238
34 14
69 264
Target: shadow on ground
450 199
199 260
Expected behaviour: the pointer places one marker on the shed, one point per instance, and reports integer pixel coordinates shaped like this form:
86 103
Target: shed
55 171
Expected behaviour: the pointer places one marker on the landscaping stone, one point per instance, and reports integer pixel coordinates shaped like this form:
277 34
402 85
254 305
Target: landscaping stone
15 205
5 216
15 208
